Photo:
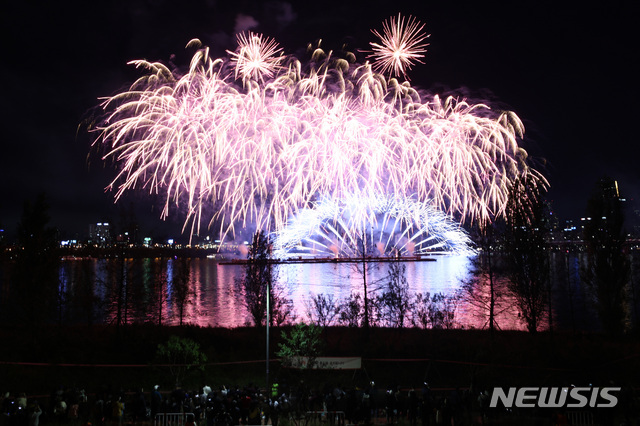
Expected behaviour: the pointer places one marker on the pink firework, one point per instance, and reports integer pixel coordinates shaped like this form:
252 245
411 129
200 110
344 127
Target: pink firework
400 46
259 151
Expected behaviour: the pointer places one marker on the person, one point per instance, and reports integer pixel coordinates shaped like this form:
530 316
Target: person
140 408
21 401
34 414
426 405
20 410
390 406
177 399
275 411
254 413
156 402
60 409
366 406
413 407
118 410
5 404
98 409
483 404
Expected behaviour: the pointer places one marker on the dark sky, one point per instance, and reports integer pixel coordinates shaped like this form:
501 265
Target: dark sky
568 69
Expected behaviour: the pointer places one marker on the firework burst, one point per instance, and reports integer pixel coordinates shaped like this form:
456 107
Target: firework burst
257 57
401 45
390 225
256 137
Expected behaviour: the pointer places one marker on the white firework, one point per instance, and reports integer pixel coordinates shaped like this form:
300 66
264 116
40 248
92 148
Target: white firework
387 225
257 57
400 46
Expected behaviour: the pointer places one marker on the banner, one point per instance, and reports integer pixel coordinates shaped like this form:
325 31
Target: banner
328 363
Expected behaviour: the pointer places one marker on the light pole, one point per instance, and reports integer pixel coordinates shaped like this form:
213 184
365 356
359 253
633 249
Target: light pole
268 321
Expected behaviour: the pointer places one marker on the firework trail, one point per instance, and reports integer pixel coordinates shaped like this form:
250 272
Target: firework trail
257 136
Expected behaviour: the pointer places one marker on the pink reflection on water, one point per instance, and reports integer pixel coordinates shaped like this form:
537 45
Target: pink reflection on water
216 300
229 309
196 283
473 310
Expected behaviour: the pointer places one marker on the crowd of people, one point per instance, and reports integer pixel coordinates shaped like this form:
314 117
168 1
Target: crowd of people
333 405
235 405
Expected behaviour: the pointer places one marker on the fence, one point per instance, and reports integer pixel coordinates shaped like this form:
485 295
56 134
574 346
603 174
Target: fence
580 418
172 419
324 417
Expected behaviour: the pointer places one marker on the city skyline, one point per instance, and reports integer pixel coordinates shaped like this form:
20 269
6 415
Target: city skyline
565 71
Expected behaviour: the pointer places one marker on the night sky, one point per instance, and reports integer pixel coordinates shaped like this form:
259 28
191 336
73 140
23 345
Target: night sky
569 70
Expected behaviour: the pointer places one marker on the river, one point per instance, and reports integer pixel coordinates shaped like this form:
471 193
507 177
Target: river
151 290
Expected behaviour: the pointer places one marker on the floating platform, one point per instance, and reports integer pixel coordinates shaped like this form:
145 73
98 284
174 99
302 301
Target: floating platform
335 260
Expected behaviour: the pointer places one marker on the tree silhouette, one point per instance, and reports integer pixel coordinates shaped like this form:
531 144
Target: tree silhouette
323 310
303 341
485 289
258 283
607 271
527 258
180 355
363 267
159 281
84 294
182 291
350 311
35 283
437 311
396 300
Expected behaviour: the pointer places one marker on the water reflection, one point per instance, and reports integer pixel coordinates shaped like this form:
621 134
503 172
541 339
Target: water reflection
204 292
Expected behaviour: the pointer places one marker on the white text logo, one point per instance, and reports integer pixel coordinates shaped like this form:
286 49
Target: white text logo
575 397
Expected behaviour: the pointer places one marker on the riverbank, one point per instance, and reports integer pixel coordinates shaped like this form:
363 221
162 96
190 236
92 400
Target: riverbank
36 361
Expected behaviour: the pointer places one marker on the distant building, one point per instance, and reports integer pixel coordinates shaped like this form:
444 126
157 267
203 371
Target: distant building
571 232
100 234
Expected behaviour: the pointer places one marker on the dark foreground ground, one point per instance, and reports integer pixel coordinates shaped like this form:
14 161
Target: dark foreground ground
37 362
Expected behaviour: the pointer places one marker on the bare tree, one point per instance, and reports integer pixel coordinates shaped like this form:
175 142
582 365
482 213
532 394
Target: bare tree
323 310
437 311
282 309
120 275
396 301
484 290
527 257
258 278
158 288
84 297
363 267
350 311
567 285
258 283
365 250
420 317
182 286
